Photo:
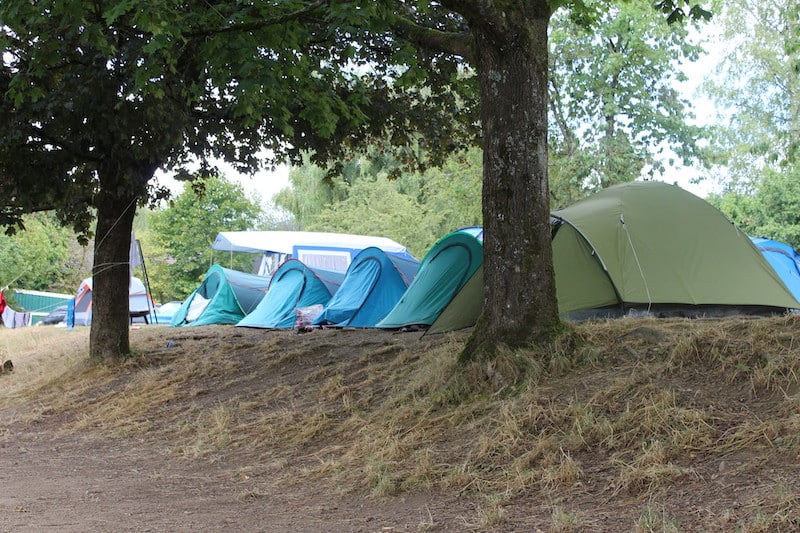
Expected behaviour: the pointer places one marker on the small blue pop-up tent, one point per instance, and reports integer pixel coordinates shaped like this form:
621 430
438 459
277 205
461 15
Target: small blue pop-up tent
784 260
224 296
293 285
373 284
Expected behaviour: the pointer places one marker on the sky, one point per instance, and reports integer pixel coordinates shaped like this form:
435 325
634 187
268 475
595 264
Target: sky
265 183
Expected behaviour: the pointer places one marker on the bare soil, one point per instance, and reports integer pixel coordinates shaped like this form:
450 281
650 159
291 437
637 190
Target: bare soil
85 484
252 430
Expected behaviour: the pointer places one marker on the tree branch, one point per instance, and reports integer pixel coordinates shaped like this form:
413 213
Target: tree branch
473 10
263 23
459 44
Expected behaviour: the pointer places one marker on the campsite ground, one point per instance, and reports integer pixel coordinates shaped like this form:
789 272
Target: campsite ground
631 425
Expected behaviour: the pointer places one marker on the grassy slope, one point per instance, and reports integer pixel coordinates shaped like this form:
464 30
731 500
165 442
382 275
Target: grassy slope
671 425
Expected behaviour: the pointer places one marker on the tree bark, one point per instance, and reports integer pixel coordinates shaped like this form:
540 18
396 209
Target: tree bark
110 335
520 306
116 204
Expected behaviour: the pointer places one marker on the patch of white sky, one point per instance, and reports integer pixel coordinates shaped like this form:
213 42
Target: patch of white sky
264 184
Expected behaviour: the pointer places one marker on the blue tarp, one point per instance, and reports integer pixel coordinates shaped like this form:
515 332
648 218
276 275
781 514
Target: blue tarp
373 284
784 260
293 285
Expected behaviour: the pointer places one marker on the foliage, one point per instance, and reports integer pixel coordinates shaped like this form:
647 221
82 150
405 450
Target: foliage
177 243
758 89
82 79
311 189
772 210
614 108
39 259
96 96
414 209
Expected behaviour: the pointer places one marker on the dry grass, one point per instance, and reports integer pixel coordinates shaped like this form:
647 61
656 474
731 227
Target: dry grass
41 357
617 411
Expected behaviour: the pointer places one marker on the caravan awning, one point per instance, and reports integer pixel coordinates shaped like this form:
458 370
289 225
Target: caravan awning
287 242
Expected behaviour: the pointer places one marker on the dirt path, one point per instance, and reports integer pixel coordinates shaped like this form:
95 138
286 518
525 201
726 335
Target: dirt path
85 485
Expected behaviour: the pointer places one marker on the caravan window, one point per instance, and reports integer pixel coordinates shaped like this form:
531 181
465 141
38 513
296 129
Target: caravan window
337 261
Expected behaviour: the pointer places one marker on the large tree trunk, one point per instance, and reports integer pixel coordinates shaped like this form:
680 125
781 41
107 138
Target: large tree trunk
110 335
111 275
520 306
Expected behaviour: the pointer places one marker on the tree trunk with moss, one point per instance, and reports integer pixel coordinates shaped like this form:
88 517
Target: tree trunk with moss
520 306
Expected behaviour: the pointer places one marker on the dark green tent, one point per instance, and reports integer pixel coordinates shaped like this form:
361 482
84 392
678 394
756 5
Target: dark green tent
651 248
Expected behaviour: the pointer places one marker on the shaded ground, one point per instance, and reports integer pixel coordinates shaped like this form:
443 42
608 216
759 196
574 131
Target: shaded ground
654 426
80 484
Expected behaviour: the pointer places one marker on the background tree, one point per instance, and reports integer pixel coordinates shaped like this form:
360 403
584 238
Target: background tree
771 210
614 106
177 241
758 90
38 259
507 44
414 209
614 109
98 95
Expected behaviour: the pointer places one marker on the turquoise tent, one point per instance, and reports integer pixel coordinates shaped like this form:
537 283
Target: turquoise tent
444 270
373 284
784 260
293 285
225 296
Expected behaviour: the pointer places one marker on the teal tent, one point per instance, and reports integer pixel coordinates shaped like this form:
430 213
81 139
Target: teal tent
465 307
293 285
373 284
224 296
444 270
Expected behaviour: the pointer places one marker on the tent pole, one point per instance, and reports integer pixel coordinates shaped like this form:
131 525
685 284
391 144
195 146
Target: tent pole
150 308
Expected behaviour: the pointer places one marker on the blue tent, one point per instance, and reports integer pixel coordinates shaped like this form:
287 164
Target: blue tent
475 231
224 296
293 285
784 260
373 284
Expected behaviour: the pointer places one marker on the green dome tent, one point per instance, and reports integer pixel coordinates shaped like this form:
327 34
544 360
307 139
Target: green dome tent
444 270
224 296
653 248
